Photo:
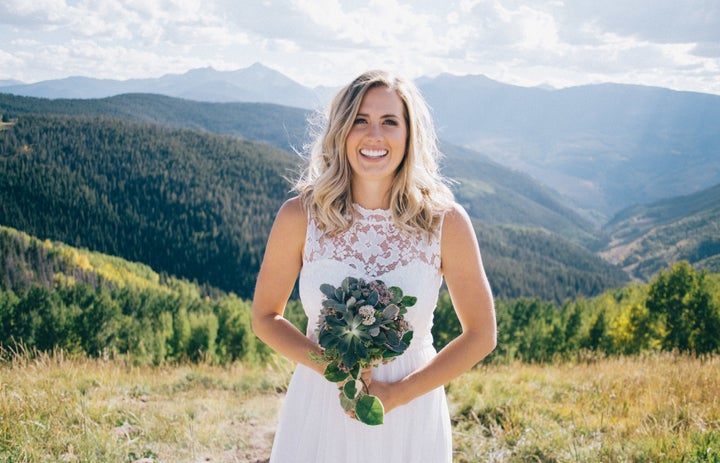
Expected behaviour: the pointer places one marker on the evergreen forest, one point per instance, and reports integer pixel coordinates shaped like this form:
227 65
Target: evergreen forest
199 206
123 234
54 296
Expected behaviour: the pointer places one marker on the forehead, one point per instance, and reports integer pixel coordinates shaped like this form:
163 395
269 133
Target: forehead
382 99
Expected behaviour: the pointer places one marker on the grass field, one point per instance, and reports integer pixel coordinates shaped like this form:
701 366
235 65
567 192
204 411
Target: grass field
652 409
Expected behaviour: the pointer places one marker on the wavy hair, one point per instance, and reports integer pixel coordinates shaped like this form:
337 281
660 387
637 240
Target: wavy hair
419 195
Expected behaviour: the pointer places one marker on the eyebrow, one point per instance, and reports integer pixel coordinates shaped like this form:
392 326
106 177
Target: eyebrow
384 116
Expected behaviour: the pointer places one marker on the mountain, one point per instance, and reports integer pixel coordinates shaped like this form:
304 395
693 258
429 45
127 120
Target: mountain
604 146
199 205
492 193
496 195
187 203
281 126
647 238
256 83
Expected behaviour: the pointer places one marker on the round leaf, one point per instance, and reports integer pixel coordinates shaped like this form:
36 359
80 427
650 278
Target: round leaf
350 389
334 374
370 410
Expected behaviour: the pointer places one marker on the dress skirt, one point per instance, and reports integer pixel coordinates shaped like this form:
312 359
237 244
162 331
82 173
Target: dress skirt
313 428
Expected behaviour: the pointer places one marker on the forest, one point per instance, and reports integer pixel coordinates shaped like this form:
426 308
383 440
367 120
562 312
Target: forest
191 204
199 206
54 296
128 238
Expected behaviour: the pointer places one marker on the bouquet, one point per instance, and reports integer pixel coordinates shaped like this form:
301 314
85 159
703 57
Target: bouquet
361 325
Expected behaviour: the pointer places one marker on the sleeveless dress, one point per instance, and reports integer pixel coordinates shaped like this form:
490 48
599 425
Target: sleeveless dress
313 427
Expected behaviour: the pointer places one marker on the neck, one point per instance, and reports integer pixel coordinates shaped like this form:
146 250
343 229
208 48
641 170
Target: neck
371 195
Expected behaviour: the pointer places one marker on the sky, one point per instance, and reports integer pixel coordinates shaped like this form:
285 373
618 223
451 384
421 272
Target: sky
666 43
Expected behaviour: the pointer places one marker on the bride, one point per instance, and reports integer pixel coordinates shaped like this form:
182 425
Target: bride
371 204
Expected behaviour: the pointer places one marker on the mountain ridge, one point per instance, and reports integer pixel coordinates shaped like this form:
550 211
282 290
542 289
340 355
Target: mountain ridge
591 143
285 128
199 205
646 238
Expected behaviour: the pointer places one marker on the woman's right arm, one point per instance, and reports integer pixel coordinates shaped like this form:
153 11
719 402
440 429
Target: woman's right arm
278 272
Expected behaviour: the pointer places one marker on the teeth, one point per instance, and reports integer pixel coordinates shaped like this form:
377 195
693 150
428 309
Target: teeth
373 153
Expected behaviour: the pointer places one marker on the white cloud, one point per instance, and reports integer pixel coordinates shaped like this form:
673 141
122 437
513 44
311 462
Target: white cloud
653 42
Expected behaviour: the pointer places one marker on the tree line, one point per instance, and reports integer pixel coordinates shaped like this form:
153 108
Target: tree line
53 296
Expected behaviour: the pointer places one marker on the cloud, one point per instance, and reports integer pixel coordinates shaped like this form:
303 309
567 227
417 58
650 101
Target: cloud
653 42
658 21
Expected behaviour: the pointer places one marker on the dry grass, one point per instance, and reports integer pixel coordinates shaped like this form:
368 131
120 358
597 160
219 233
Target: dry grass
77 410
660 408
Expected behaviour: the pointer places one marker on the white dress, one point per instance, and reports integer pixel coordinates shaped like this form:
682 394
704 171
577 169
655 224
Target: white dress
313 427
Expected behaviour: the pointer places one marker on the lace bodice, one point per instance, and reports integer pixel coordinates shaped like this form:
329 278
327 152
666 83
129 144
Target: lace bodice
373 248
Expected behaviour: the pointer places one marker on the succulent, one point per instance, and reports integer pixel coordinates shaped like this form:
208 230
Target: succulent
361 325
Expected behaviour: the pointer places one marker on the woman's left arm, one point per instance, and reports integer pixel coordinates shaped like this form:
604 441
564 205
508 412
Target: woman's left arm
473 302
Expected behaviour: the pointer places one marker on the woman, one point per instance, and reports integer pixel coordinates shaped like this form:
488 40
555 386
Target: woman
372 204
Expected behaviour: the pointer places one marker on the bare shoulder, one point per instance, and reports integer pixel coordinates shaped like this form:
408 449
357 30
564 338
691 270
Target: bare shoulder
292 213
291 221
456 223
458 245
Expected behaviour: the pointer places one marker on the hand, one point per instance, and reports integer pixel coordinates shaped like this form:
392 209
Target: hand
386 392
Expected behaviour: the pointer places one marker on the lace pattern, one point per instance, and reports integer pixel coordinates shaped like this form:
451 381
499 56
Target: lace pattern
373 246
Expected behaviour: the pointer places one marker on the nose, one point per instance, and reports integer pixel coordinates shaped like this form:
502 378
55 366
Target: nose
375 132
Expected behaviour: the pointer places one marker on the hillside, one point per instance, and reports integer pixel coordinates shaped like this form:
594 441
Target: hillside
492 193
191 204
646 238
280 126
496 195
199 206
54 296
605 146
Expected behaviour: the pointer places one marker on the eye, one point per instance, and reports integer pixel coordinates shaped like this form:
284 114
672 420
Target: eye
392 122
360 120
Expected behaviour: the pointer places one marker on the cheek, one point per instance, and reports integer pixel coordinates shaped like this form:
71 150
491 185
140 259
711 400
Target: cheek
350 141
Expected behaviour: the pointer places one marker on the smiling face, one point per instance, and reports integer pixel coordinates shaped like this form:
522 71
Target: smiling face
376 143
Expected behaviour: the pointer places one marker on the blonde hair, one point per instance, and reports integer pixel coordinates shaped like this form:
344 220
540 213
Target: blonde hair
419 193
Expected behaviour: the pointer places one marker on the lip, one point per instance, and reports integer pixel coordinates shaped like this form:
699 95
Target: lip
373 153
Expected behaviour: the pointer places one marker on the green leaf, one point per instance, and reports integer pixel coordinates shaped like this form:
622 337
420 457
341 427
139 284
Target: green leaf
407 337
340 294
355 371
373 298
397 294
345 403
334 374
392 337
350 304
409 301
350 389
328 340
328 290
370 410
348 283
349 358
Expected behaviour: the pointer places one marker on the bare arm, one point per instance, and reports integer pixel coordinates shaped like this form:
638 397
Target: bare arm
279 270
472 298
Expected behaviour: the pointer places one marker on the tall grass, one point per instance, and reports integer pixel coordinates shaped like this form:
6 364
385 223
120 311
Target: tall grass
55 408
660 408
